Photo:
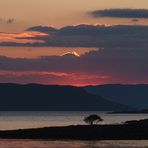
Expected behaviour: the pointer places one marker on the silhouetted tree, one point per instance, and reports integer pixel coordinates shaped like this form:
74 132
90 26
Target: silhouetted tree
93 119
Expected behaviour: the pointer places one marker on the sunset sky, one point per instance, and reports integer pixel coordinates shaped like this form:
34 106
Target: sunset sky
74 42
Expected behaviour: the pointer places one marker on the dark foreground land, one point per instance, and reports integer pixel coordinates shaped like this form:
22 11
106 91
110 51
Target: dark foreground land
131 130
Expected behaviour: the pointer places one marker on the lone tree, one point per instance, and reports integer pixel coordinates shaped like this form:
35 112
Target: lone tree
93 119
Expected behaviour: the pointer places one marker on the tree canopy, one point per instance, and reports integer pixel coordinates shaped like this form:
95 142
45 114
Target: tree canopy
92 119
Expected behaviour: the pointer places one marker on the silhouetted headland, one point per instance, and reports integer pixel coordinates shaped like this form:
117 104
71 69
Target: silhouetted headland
130 130
143 111
131 95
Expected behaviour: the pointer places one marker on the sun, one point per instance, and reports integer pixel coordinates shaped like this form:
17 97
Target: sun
73 53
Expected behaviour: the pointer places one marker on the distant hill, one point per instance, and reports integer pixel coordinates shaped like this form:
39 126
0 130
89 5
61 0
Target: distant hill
131 95
34 97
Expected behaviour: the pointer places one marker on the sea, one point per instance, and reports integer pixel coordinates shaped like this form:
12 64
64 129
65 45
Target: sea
23 120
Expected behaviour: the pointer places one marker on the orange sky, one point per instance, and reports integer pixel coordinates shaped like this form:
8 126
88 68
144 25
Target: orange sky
31 52
109 66
59 12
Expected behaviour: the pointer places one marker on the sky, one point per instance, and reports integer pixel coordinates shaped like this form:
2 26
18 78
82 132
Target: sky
58 13
74 42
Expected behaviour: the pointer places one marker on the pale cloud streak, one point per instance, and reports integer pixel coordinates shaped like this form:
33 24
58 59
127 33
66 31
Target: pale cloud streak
17 37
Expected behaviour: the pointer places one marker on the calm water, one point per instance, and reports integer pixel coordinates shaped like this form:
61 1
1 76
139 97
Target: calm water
17 120
72 144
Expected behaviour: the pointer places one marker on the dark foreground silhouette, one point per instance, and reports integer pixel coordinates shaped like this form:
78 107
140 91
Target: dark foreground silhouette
130 130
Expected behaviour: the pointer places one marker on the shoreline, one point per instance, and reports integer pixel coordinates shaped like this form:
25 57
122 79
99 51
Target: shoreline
81 132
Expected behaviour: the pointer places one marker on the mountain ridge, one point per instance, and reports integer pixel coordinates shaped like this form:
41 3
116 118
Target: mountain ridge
134 95
34 97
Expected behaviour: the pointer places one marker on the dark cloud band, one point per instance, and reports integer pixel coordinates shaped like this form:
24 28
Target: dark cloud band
121 13
87 36
123 58
109 65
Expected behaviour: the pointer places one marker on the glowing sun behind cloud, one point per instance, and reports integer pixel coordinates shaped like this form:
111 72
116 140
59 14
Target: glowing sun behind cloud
73 53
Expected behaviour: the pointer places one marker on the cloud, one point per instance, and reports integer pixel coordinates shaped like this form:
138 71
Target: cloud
45 29
108 65
20 38
7 21
32 77
135 20
1 19
122 55
10 21
84 35
121 13
47 78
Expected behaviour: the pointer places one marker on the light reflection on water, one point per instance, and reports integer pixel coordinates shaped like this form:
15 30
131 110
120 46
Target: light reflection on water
21 120
72 144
